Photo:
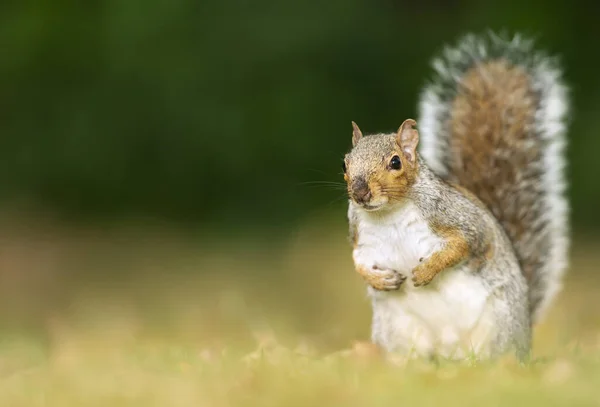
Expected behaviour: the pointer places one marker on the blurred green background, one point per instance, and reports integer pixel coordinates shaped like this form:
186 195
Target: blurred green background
163 197
216 113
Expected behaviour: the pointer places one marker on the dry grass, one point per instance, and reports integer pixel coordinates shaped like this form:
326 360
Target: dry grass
133 317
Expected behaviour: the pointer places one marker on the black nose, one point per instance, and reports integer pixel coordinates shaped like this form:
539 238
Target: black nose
360 190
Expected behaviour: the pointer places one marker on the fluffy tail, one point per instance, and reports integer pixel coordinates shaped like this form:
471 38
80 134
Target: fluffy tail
493 120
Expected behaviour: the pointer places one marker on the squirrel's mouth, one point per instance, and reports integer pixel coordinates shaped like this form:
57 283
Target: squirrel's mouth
371 208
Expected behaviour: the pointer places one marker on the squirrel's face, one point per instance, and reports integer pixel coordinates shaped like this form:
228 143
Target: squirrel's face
380 169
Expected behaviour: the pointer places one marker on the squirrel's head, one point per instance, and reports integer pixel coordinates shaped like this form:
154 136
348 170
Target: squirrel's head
381 168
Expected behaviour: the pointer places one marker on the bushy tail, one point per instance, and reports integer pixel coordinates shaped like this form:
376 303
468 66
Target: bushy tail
493 120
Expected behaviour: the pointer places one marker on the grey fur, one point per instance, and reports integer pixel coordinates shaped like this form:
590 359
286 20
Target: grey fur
444 205
493 254
542 183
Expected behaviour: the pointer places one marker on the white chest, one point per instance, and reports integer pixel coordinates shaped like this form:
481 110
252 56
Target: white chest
397 241
451 316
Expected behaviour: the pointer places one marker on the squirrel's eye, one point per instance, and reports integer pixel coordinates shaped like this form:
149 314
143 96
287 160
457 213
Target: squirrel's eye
395 163
344 166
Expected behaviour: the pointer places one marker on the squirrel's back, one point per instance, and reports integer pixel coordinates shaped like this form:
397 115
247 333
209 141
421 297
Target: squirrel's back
493 121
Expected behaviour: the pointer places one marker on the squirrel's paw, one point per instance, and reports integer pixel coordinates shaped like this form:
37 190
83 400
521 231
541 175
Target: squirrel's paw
422 276
381 279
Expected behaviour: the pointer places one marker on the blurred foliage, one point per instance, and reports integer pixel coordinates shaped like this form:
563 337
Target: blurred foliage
220 110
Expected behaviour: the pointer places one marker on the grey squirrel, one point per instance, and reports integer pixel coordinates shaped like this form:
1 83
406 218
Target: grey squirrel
463 239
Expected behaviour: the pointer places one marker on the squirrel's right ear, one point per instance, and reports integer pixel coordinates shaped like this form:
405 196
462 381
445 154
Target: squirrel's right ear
356 134
408 139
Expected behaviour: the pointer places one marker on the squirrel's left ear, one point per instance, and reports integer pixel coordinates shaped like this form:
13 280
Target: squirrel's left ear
408 139
356 134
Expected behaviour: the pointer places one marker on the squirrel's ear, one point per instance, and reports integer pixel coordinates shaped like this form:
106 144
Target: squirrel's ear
408 139
356 134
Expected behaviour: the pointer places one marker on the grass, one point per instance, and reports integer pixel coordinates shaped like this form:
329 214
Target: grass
138 317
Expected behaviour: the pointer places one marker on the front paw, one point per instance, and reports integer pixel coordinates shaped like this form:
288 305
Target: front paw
381 279
422 276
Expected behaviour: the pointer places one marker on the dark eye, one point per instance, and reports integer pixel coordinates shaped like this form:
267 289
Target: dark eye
395 163
344 166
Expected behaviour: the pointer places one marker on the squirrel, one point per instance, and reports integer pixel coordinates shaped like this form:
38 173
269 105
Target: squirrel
463 240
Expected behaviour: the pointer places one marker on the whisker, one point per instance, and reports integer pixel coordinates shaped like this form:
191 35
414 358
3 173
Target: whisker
327 205
324 184
393 191
329 187
339 198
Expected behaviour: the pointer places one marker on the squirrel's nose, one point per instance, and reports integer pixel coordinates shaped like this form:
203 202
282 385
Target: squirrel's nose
360 190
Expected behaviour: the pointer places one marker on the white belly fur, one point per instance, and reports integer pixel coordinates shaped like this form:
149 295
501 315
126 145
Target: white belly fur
451 317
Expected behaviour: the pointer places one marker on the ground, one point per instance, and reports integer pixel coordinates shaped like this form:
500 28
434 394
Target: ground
135 317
